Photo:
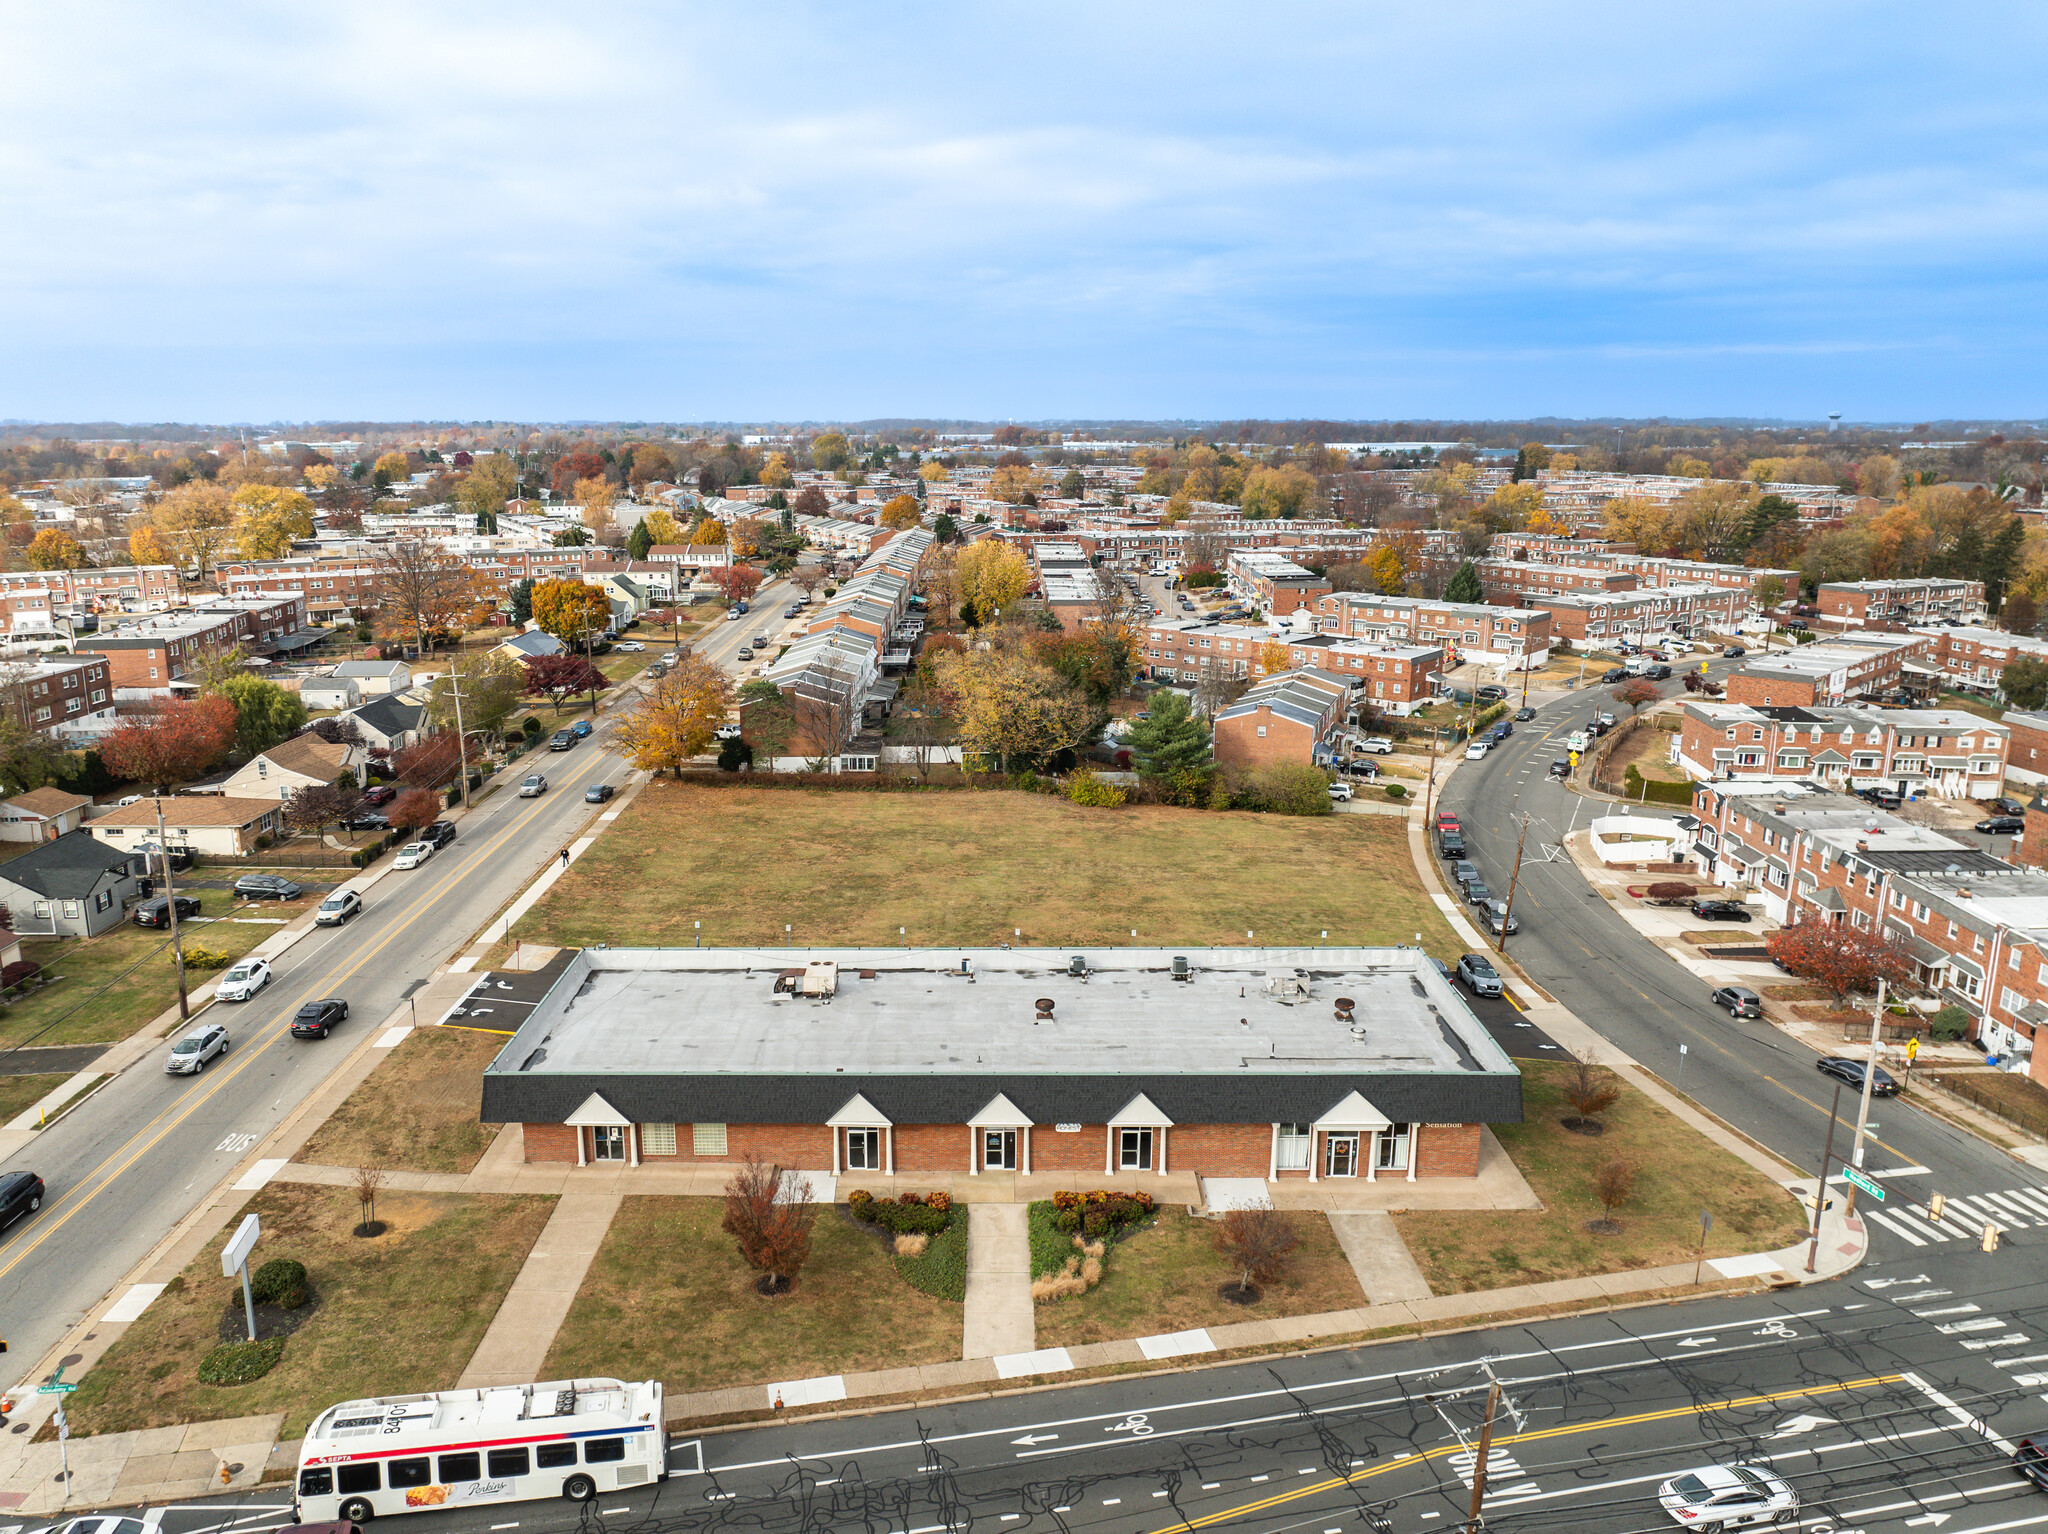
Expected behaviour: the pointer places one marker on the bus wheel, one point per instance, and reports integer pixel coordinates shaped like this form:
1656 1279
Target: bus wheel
357 1510
579 1488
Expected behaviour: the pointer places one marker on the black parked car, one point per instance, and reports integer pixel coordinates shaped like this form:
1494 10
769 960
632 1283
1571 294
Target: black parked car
1735 652
1658 673
440 833
1883 798
367 820
2030 1459
316 1019
2002 825
1524 715
1850 1074
157 912
1721 910
1451 845
2007 807
20 1193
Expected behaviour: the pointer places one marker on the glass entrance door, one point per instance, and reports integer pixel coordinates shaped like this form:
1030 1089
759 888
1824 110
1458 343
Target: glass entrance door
999 1150
1340 1158
1134 1152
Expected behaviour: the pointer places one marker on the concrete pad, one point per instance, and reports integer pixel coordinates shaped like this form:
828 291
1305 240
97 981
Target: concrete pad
1011 1366
233 1430
1749 1265
259 1174
1378 1255
158 1440
1222 1193
812 1392
391 1038
132 1304
883 1382
998 1317
1093 1355
1176 1344
1243 1334
824 1187
952 1376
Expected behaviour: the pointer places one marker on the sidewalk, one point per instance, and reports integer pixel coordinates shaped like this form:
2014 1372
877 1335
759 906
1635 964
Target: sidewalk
999 1315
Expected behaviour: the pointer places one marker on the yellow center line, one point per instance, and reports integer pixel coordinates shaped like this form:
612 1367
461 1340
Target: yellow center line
1904 1159
193 1104
1403 1461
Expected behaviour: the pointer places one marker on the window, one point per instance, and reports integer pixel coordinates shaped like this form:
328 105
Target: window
73 910
316 1483
603 1451
1294 1147
1393 1151
1859 920
863 1150
2010 1000
657 1139
457 1468
353 1478
506 1462
707 1139
552 1456
410 1472
1262 732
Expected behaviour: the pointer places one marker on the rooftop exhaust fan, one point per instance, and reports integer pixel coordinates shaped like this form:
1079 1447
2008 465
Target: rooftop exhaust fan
1044 1005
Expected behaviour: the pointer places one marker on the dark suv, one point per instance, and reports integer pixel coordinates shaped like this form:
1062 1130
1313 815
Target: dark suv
20 1193
562 740
440 833
157 912
1451 845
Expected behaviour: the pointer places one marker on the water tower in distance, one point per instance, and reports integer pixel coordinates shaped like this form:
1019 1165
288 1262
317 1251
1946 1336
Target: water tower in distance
1834 420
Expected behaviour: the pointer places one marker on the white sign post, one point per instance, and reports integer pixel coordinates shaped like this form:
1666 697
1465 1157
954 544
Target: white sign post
234 1258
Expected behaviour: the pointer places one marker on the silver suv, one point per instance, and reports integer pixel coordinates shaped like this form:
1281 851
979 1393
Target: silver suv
1477 971
189 1055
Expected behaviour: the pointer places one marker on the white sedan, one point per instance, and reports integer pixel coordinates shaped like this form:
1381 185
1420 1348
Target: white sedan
631 646
1728 1497
412 854
1476 750
244 980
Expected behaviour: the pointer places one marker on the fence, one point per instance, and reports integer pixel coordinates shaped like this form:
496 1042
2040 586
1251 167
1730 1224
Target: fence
2032 1119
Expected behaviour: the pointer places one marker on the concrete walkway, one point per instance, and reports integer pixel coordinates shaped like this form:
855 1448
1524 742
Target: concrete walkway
1379 1256
524 1328
998 1316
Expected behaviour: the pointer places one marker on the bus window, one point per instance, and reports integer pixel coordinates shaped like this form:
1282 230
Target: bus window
410 1472
601 1451
550 1456
461 1467
316 1483
349 1478
507 1462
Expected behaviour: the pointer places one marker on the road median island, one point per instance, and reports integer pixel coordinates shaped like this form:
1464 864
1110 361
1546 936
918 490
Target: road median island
1677 1172
390 1314
668 1297
975 867
417 1110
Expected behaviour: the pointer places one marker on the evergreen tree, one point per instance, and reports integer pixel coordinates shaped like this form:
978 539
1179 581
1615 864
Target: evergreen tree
522 602
1464 586
640 540
2025 683
2001 561
1521 466
1170 740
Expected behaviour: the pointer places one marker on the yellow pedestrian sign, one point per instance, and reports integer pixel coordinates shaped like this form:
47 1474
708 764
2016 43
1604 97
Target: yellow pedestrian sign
1912 1050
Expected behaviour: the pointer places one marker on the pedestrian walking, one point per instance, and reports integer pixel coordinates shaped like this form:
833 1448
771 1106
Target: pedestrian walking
565 857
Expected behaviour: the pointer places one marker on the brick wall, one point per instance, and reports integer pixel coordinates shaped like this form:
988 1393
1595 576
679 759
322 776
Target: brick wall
1771 691
930 1148
1446 1150
1238 742
1220 1150
549 1142
1081 1153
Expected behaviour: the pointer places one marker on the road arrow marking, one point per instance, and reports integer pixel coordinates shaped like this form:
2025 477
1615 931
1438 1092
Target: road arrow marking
1936 1519
1696 1342
1887 1283
1805 1422
1031 1438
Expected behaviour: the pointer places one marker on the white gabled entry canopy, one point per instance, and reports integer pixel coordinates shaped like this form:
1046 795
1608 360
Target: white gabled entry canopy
1000 1113
597 1113
1140 1113
858 1113
1354 1112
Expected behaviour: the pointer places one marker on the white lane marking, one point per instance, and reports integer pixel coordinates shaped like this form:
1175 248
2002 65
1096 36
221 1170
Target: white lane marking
2012 1341
2013 1363
2032 1197
1949 1310
1975 1424
497 1526
1981 1324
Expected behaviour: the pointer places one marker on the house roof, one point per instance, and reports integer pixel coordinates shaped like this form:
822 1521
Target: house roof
309 756
368 668
391 715
49 803
71 866
190 810
533 642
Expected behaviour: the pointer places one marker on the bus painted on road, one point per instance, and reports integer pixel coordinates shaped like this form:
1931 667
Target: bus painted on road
500 1443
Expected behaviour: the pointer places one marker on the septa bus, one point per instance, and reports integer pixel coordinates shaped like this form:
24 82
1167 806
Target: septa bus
509 1443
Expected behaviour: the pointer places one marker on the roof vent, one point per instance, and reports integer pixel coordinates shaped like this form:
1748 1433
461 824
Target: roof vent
1078 965
1344 1006
1044 1005
1181 968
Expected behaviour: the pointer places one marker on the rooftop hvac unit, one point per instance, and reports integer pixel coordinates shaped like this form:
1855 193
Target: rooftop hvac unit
1078 965
1181 968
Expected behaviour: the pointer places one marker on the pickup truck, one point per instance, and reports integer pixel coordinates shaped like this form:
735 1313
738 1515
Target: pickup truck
1576 741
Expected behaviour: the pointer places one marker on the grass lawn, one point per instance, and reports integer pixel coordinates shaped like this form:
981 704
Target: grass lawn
417 1110
2023 1101
667 1297
1983 708
1165 1278
971 868
398 1313
114 983
1679 1173
21 1092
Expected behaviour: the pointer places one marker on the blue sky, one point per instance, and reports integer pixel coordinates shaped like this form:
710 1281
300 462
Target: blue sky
761 211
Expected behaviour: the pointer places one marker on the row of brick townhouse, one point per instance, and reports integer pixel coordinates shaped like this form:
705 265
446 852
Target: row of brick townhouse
1911 751
33 601
1291 716
1900 603
1274 582
1515 637
1395 678
2027 758
68 696
1123 1069
1597 619
1974 658
1850 666
146 656
336 588
1976 926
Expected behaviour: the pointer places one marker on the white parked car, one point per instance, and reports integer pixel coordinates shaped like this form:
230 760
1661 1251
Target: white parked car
726 732
1477 750
1728 1497
1341 792
632 646
412 854
1377 745
534 786
244 980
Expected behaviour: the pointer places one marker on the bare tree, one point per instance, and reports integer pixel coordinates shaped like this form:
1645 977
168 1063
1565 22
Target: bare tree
420 588
827 710
1217 689
368 1180
1591 1089
1256 1242
1612 1185
921 724
771 1224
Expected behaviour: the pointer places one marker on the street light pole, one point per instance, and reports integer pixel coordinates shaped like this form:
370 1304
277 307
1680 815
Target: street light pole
171 904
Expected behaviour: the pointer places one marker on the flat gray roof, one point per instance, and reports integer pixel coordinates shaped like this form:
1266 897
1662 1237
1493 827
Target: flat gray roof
655 1011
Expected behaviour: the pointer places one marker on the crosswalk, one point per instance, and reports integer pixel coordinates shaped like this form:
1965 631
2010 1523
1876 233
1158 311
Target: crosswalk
1964 1217
1985 1335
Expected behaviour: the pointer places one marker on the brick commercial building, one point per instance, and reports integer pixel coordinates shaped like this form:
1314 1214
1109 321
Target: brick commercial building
1860 666
1911 751
1515 637
1289 717
148 655
1902 603
1097 1069
1637 616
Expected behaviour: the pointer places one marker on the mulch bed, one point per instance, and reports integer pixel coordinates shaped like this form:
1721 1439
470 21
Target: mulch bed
271 1320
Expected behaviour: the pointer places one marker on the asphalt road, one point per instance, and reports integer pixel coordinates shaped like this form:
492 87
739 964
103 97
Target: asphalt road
133 1159
1577 948
1888 1401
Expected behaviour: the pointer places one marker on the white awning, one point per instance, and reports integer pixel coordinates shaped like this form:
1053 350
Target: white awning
858 1112
1140 1111
999 1113
596 1112
1354 1112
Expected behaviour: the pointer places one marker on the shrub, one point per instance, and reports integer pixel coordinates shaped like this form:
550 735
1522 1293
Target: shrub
532 728
263 841
1950 1023
237 1363
940 1269
197 957
280 1281
912 1246
1068 1220
1086 788
1396 790
20 970
910 1215
1095 1222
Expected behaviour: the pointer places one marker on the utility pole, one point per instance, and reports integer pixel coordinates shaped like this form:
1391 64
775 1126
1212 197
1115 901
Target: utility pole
1479 1459
1820 1193
171 904
461 736
1508 911
1863 1102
